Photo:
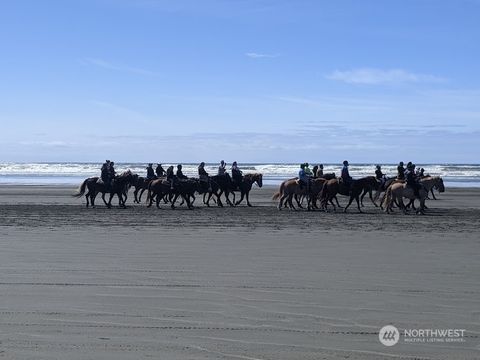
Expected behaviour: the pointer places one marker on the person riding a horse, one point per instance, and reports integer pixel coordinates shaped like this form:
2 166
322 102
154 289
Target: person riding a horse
150 172
222 169
104 173
160 171
303 177
319 173
412 180
237 174
308 171
170 176
379 175
400 171
203 175
180 174
347 179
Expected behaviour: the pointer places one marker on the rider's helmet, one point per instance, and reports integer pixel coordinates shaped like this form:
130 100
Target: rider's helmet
179 166
379 167
401 163
321 166
302 166
202 164
345 163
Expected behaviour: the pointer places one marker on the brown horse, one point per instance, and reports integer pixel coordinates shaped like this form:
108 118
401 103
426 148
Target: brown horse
335 186
398 191
160 188
140 184
246 186
290 188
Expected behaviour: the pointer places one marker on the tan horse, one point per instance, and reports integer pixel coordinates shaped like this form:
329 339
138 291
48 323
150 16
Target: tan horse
433 182
398 191
290 188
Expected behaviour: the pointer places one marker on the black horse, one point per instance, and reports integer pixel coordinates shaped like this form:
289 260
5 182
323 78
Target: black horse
220 184
120 186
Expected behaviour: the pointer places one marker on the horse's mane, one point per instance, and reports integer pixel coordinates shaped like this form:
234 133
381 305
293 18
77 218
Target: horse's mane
125 173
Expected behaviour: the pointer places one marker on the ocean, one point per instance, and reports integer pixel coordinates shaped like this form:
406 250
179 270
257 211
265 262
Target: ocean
454 175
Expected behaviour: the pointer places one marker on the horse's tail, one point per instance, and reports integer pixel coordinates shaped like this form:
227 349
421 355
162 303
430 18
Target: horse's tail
323 194
149 189
387 200
279 192
81 189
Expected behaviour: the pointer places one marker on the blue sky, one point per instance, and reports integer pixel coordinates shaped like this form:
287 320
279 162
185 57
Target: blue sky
246 80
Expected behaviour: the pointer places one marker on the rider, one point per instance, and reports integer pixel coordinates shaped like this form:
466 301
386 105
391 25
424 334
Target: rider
170 176
150 172
400 171
379 175
160 171
203 175
111 172
320 171
411 179
104 172
347 179
237 175
222 169
303 178
308 171
180 173
422 173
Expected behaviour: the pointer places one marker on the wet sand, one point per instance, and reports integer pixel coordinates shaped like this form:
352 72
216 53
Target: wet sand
233 283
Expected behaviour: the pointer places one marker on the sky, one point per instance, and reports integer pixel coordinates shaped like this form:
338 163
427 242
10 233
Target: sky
246 80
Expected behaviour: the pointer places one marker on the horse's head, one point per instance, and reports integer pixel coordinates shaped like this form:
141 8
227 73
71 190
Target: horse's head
439 185
258 179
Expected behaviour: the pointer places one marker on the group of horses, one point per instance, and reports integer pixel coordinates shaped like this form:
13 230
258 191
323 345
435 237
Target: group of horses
161 189
319 193
325 189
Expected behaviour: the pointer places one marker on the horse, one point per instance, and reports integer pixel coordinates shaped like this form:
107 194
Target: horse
246 186
396 192
159 188
383 187
220 184
353 190
370 183
433 182
290 188
141 184
119 186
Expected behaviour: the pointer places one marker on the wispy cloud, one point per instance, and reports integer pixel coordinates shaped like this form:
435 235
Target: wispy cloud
374 76
255 55
116 67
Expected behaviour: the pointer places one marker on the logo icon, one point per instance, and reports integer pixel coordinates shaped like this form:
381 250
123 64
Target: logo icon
389 335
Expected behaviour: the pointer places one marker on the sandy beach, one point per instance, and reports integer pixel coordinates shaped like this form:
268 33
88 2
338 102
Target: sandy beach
233 283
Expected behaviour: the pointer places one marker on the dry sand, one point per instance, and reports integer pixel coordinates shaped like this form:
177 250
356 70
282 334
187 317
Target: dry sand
241 283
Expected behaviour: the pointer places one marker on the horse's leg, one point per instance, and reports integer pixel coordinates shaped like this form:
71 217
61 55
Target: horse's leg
363 195
336 200
433 194
158 198
357 198
120 198
242 195
109 205
219 201
290 198
141 193
248 200
135 192
173 201
349 202
297 200
103 198
370 195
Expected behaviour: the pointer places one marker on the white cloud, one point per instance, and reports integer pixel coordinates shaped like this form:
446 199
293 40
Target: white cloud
379 76
117 67
254 55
